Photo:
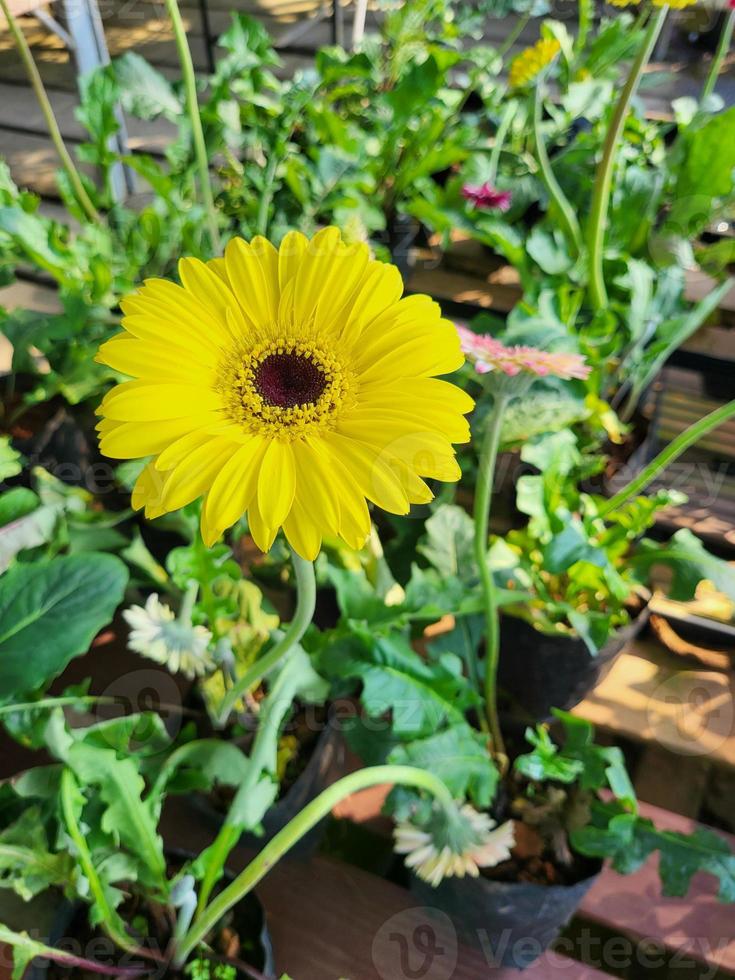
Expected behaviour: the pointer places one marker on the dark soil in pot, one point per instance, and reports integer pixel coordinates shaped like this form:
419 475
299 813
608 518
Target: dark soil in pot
512 921
318 761
540 672
241 940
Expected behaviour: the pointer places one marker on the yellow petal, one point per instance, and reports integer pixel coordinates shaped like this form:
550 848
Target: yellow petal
302 534
371 473
276 483
433 350
252 280
290 254
261 534
315 490
354 517
162 362
147 493
131 440
381 289
143 401
195 474
234 487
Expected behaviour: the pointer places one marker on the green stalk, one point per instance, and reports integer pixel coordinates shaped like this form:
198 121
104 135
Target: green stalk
273 709
675 448
305 604
192 106
48 114
293 832
483 498
506 121
723 46
266 196
585 10
603 178
568 219
513 36
68 790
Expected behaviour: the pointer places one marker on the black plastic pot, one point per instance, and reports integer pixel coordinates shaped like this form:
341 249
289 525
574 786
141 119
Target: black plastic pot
541 672
249 922
325 761
512 923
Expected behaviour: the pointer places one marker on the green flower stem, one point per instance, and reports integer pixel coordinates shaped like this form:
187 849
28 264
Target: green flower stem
305 604
272 712
192 106
483 498
48 114
567 217
723 46
506 121
513 35
267 194
586 11
68 791
602 187
311 814
675 448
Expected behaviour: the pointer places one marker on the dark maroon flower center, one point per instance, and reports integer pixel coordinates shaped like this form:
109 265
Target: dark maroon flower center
286 380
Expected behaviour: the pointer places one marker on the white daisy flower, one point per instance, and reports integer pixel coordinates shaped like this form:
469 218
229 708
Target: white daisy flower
156 633
473 842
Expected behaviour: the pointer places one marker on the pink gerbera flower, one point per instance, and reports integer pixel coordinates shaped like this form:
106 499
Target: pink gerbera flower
488 354
486 197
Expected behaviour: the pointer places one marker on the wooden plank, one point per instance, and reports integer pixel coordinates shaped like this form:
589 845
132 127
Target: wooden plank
648 697
698 926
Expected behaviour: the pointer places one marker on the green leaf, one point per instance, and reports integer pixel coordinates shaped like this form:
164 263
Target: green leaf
26 863
10 459
50 612
145 92
546 761
448 545
460 758
28 531
689 562
129 820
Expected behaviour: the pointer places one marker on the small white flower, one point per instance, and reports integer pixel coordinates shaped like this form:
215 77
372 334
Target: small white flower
433 859
156 633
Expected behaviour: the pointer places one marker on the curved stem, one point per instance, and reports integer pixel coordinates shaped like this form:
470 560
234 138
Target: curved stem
514 35
723 46
483 497
48 114
602 187
585 13
675 448
567 217
305 604
68 790
192 106
266 196
506 120
303 822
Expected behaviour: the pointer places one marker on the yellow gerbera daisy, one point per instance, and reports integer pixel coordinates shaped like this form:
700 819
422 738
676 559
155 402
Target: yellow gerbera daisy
292 384
526 65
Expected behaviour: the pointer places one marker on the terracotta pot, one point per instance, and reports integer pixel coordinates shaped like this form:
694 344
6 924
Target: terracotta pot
512 923
541 672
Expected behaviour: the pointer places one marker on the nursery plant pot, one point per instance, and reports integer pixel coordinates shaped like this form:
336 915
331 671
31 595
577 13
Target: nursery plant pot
323 764
70 931
540 672
512 923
